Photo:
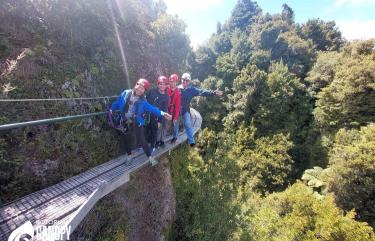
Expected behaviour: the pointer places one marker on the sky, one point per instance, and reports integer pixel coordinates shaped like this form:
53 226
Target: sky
355 18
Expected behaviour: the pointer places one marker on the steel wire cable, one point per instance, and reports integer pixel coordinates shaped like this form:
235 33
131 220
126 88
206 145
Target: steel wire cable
58 99
69 113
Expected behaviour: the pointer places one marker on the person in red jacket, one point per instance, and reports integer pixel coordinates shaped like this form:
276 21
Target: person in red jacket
174 103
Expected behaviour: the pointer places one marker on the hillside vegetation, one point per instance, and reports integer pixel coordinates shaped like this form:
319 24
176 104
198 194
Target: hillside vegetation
70 49
288 153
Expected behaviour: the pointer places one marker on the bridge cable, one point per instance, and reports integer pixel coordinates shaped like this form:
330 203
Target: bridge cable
58 99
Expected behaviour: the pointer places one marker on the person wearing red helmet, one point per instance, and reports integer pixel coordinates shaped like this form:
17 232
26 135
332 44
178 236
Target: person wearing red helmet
159 98
132 105
174 103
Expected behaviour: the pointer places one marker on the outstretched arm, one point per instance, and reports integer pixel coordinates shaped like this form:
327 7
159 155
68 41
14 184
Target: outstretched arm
204 92
164 107
156 111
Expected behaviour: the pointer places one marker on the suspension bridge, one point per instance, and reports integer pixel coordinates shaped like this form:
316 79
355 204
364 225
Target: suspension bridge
65 204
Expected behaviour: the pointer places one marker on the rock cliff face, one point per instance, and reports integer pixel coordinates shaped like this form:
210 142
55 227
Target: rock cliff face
141 210
152 207
71 49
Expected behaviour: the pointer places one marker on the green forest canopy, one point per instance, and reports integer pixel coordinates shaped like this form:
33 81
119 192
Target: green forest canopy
293 93
299 104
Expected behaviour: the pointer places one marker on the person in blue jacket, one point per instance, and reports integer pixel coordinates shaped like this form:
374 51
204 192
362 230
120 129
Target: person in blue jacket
188 92
132 106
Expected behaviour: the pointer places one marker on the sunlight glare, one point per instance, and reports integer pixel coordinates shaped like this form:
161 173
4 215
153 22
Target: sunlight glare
123 56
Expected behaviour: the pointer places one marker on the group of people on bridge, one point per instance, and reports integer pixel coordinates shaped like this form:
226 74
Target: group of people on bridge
142 112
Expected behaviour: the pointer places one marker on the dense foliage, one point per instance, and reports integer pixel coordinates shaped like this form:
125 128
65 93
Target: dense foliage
299 104
352 178
296 214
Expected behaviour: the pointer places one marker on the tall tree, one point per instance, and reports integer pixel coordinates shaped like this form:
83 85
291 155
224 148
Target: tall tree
349 101
284 105
265 32
296 214
243 104
205 59
353 165
241 48
277 36
205 189
212 109
266 166
243 14
172 43
287 14
295 52
325 35
222 43
323 72
227 69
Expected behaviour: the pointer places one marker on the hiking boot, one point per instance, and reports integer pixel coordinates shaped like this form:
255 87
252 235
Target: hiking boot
128 159
161 144
174 139
157 144
152 161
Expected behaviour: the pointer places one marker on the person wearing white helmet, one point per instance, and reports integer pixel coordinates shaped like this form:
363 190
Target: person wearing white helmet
188 92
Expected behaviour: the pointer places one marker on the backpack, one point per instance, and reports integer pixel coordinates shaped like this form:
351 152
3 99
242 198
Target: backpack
117 119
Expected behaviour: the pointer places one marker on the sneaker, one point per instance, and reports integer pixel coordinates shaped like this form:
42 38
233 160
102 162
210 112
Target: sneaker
128 159
153 161
174 139
192 144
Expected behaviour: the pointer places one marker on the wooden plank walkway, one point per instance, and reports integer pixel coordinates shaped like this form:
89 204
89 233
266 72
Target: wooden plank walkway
68 202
